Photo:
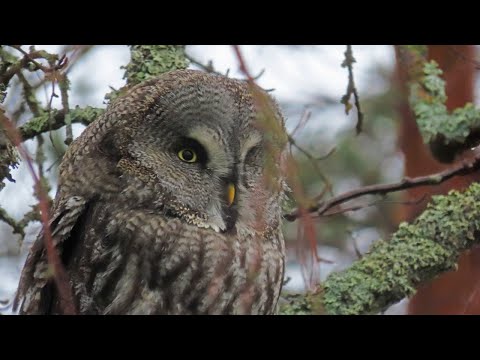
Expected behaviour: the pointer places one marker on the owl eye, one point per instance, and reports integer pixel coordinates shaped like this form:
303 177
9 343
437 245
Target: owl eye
187 155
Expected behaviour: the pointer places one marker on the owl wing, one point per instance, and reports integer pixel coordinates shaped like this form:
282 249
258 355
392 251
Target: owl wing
35 292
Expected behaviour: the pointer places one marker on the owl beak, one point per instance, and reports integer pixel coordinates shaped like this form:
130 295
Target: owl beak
230 194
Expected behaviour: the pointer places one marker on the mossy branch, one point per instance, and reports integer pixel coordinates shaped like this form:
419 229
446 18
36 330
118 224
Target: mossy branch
415 254
57 119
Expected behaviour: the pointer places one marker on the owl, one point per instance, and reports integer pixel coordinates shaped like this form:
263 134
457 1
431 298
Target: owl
165 205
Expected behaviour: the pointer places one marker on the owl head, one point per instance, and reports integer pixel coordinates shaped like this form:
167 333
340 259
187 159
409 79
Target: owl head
201 147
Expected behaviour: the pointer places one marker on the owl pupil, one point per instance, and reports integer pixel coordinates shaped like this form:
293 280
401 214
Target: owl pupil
187 155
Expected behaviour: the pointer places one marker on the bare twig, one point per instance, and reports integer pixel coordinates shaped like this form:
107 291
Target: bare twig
314 162
313 159
374 203
308 154
78 52
208 67
259 75
463 168
351 89
306 114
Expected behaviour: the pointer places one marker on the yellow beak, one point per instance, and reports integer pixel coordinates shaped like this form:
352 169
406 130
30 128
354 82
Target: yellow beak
230 194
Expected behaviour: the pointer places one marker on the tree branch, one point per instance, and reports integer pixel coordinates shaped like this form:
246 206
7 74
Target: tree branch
41 124
463 168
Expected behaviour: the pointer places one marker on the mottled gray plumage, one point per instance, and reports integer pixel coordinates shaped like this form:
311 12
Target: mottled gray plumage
142 232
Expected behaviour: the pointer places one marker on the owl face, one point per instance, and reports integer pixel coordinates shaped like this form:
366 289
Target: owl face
199 150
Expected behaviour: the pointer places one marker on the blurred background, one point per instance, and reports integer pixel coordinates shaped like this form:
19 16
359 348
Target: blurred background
308 82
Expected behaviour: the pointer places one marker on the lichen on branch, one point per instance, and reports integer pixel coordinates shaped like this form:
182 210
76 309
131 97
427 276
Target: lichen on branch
447 133
415 254
56 119
148 61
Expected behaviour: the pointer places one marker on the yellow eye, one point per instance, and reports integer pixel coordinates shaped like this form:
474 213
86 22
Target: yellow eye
187 155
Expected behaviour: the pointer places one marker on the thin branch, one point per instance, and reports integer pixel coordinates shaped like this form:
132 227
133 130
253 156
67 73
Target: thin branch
64 85
462 168
351 89
374 203
79 51
242 64
208 67
306 114
314 161
308 154
260 74
18 66
17 227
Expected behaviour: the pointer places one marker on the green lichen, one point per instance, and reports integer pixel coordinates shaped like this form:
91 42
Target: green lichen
8 158
446 133
148 61
300 304
57 119
415 254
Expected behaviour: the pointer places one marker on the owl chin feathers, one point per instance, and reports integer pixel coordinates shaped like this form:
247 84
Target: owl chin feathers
209 226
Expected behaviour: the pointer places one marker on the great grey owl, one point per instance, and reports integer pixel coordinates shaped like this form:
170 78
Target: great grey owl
165 205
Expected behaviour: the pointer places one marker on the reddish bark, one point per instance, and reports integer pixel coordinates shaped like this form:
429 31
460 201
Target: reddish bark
453 292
